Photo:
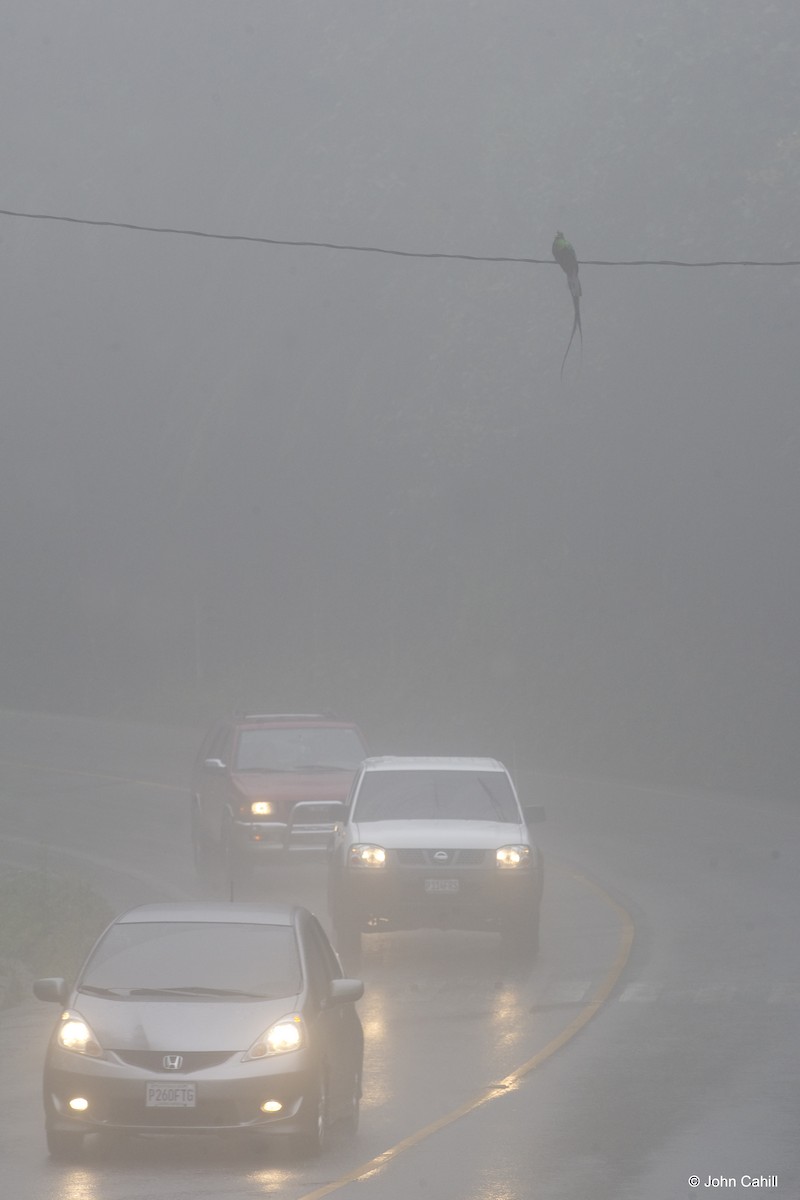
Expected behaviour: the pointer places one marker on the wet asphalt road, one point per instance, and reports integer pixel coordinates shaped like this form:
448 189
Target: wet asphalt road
689 1067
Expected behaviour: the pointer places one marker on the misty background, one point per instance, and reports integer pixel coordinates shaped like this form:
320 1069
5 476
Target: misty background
299 478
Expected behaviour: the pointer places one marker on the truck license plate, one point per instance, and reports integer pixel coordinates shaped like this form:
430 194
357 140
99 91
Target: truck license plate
441 885
171 1095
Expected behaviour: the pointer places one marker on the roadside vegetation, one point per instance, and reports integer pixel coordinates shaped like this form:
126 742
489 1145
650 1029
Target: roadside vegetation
47 925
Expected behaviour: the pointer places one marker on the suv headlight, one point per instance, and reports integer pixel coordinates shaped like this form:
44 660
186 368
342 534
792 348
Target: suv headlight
280 1038
514 857
364 854
74 1034
261 808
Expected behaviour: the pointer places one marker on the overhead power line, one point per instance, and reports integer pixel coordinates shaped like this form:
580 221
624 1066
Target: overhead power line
490 258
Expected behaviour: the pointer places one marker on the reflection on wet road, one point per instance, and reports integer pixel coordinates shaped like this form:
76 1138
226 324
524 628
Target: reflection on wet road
693 1043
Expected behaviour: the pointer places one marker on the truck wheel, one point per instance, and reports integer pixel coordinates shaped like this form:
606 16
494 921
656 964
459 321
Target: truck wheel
521 936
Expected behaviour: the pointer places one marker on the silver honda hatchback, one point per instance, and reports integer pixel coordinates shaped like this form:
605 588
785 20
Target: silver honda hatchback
205 1017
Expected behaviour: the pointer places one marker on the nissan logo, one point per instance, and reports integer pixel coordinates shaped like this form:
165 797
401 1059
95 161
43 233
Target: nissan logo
172 1062
441 856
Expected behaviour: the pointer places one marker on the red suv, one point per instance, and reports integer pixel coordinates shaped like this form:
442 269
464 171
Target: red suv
268 784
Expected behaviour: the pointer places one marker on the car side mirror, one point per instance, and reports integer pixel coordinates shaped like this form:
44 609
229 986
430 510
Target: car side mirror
52 990
345 991
215 765
533 813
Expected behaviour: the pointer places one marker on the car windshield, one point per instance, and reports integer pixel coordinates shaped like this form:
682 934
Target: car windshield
298 750
197 956
440 795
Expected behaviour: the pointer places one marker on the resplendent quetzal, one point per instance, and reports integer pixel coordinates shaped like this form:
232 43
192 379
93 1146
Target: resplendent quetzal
565 256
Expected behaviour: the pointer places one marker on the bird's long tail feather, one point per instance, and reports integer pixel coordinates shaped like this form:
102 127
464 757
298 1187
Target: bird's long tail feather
576 324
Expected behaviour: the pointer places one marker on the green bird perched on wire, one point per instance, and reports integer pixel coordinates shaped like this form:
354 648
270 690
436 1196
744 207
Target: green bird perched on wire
566 258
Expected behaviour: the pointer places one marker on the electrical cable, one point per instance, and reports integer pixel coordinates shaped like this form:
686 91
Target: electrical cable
489 258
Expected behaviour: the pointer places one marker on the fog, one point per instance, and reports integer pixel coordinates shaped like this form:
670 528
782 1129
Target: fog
291 476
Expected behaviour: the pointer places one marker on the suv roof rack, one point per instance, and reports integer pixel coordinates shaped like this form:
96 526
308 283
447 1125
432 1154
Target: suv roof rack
248 716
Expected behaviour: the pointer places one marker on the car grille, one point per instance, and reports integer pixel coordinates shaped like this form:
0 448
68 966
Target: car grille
215 1113
193 1060
455 858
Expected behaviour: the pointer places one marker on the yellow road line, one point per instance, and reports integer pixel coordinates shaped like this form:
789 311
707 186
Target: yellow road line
512 1081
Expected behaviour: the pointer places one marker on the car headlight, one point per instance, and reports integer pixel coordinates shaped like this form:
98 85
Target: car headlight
283 1036
261 808
364 854
511 857
74 1034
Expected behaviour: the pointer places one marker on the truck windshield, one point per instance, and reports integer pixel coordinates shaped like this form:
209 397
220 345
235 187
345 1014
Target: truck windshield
440 795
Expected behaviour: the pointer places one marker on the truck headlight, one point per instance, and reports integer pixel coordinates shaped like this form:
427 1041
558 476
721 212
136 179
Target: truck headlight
364 854
513 857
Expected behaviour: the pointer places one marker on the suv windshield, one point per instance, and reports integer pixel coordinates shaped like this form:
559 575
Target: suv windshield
448 795
298 750
256 960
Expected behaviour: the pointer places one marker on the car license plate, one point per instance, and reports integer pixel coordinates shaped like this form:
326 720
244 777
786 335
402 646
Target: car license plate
441 885
171 1095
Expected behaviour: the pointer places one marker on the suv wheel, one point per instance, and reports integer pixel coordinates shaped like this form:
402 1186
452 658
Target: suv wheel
201 851
238 868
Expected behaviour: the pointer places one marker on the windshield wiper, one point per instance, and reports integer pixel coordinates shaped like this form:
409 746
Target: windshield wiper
325 767
198 991
292 769
90 990
499 814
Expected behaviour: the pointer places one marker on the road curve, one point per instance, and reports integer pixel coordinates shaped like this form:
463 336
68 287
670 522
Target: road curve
611 1067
